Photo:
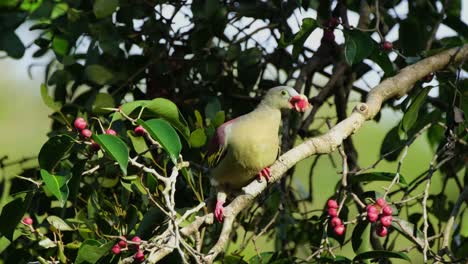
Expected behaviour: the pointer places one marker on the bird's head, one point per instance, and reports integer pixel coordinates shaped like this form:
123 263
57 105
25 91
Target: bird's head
285 97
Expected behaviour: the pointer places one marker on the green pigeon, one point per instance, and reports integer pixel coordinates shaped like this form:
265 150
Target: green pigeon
246 146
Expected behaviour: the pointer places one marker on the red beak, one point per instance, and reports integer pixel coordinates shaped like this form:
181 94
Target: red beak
299 102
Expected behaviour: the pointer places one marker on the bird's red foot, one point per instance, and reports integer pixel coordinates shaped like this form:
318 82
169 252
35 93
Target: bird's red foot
219 210
265 173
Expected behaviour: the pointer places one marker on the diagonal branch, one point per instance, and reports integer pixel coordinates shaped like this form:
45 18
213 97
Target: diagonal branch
397 85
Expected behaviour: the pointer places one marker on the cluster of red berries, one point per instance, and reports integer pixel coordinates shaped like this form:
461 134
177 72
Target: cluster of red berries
335 221
380 211
80 124
330 25
135 245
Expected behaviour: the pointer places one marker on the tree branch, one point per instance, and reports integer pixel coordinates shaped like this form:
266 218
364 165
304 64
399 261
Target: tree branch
397 85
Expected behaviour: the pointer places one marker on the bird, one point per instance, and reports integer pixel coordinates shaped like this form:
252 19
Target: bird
244 148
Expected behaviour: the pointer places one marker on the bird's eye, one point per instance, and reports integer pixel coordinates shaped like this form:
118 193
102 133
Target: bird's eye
283 92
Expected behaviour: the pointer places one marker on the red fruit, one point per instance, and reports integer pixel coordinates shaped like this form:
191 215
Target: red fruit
28 220
333 22
328 36
111 132
386 220
122 244
387 46
372 209
95 146
116 249
332 203
382 231
339 230
332 212
139 256
428 77
139 131
381 202
387 210
80 123
136 239
372 217
86 133
336 222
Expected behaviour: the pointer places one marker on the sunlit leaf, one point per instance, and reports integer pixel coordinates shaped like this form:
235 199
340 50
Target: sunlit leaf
48 100
58 223
198 138
162 131
115 147
56 184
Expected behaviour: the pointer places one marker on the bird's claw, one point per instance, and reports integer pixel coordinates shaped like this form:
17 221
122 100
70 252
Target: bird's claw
219 211
265 173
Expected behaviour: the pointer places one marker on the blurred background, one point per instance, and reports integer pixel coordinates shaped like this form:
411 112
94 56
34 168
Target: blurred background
24 121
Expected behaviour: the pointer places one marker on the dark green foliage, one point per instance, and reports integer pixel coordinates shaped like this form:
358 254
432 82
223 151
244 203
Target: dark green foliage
180 69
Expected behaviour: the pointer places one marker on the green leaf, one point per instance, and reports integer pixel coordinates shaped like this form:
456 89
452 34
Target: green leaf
53 151
48 100
12 213
307 27
218 119
138 142
98 74
92 250
391 145
103 100
379 254
361 237
11 44
411 115
128 108
464 223
59 10
60 46
4 243
168 110
234 260
358 46
104 8
212 108
408 230
264 257
47 243
198 138
56 184
199 119
165 134
376 176
115 147
58 223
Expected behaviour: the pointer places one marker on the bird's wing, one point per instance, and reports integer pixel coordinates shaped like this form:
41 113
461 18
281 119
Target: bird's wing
217 148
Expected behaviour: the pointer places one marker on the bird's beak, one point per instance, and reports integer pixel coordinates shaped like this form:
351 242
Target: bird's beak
299 102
